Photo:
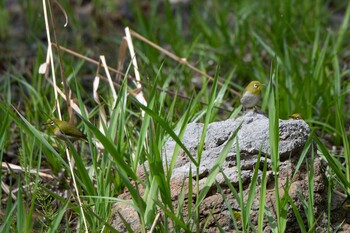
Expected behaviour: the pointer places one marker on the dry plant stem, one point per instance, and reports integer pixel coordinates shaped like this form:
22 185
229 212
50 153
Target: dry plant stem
74 106
63 11
67 91
180 60
6 189
49 54
133 57
71 166
139 96
103 115
114 93
14 167
121 59
170 93
88 59
70 111
96 62
56 97
154 223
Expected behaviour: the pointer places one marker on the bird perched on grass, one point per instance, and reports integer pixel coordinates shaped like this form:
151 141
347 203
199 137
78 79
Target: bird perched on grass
296 116
65 130
251 95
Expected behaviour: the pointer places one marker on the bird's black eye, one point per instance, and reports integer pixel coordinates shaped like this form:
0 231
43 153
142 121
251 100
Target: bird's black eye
255 85
52 123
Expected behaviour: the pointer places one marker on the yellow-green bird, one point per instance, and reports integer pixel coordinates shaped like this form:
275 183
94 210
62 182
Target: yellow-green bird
65 130
296 116
251 95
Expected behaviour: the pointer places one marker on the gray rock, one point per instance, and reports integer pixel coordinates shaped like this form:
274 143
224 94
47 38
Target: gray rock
253 136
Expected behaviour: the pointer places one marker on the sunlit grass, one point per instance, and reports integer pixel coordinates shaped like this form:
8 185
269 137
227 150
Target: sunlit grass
302 61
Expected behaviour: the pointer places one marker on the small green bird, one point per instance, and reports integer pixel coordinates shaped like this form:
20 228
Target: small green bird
296 116
65 130
251 95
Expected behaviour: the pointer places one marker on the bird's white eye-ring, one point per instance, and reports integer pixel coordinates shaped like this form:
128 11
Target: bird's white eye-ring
52 123
255 85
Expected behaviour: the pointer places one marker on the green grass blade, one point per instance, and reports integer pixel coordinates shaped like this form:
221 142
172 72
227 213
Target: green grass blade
262 200
216 168
172 216
55 224
182 124
83 176
296 214
166 127
151 196
253 185
268 48
240 200
346 145
333 163
233 215
342 30
123 169
310 209
207 117
9 215
21 212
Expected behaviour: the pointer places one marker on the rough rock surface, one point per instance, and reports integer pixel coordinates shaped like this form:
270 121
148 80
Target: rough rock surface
253 136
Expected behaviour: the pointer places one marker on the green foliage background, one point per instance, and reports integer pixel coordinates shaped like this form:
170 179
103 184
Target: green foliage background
298 48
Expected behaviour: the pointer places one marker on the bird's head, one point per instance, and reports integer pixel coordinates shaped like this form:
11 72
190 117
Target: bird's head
254 87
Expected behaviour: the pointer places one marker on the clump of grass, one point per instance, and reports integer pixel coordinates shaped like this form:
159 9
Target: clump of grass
4 18
300 58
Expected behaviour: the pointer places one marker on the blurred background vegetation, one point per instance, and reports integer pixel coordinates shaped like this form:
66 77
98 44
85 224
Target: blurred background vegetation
302 44
244 38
